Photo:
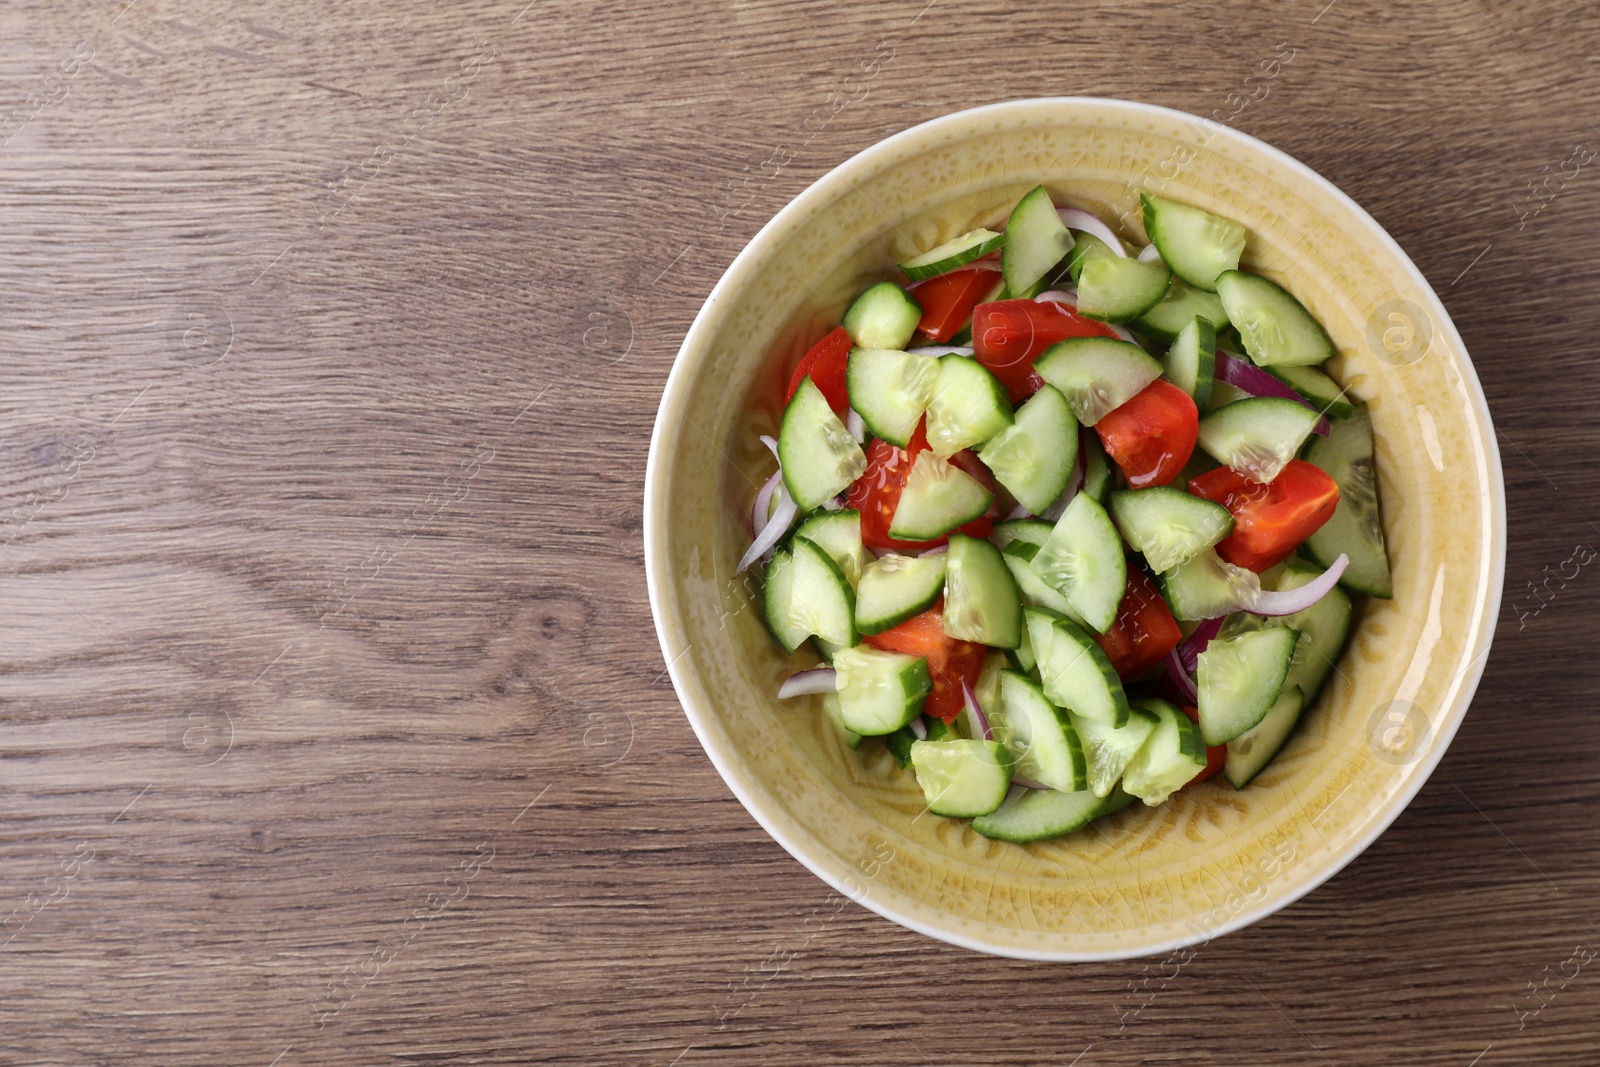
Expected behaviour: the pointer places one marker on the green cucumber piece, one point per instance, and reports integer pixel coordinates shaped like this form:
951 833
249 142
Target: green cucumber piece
1239 678
820 459
1120 289
1036 240
1097 374
1356 528
981 601
1020 540
895 588
1196 244
1041 742
1169 758
884 316
879 692
1251 751
890 390
1192 360
968 406
1083 561
1170 527
1109 749
1257 436
1033 457
1311 383
1087 247
838 533
961 779
1041 814
1097 473
956 252
1323 628
1276 328
830 705
1206 587
1182 305
938 497
804 596
1022 657
1075 672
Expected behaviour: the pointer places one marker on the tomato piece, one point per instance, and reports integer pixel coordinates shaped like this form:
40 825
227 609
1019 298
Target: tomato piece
948 299
825 365
1144 631
1008 335
1216 755
1151 436
950 660
1270 520
877 492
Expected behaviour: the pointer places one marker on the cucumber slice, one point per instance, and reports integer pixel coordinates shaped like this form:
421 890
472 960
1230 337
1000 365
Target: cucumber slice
938 497
1356 527
1040 814
899 743
804 596
838 533
777 592
1097 374
1023 533
1083 561
981 602
885 316
1036 240
1036 733
1323 628
1196 244
988 688
1251 751
820 459
879 692
1096 468
1192 360
1021 539
968 406
1182 304
956 252
895 588
890 390
1075 672
1022 656
1276 328
961 779
1033 457
1086 247
1311 383
1206 587
1169 758
1169 526
1109 749
830 705
1120 289
1257 436
1239 679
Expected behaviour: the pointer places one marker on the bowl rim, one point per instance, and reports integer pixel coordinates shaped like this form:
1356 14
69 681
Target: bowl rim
654 532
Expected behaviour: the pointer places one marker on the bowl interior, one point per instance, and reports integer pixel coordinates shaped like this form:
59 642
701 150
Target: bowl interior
1148 878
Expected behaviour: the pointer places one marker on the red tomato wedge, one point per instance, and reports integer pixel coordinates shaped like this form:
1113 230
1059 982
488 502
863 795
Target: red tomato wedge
877 492
1216 755
825 365
1270 520
948 299
1151 436
1008 335
950 661
1145 630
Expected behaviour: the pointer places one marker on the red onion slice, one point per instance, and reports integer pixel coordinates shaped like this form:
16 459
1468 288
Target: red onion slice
1122 332
1242 374
1150 254
919 728
977 723
1073 219
940 350
1019 512
1057 296
854 426
1196 642
772 532
772 446
1180 677
937 550
1293 601
1012 796
758 514
805 683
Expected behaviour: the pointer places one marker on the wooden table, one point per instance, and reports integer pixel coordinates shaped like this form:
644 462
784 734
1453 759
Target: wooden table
334 729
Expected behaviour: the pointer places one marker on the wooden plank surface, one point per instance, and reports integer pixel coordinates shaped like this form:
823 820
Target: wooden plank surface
332 725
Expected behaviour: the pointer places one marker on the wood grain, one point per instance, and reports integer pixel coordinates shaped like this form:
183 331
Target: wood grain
333 726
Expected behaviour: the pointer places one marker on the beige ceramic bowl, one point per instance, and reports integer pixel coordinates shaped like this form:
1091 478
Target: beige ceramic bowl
1148 879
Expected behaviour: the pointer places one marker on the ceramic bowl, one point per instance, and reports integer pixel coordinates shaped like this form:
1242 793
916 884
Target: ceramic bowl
1211 860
